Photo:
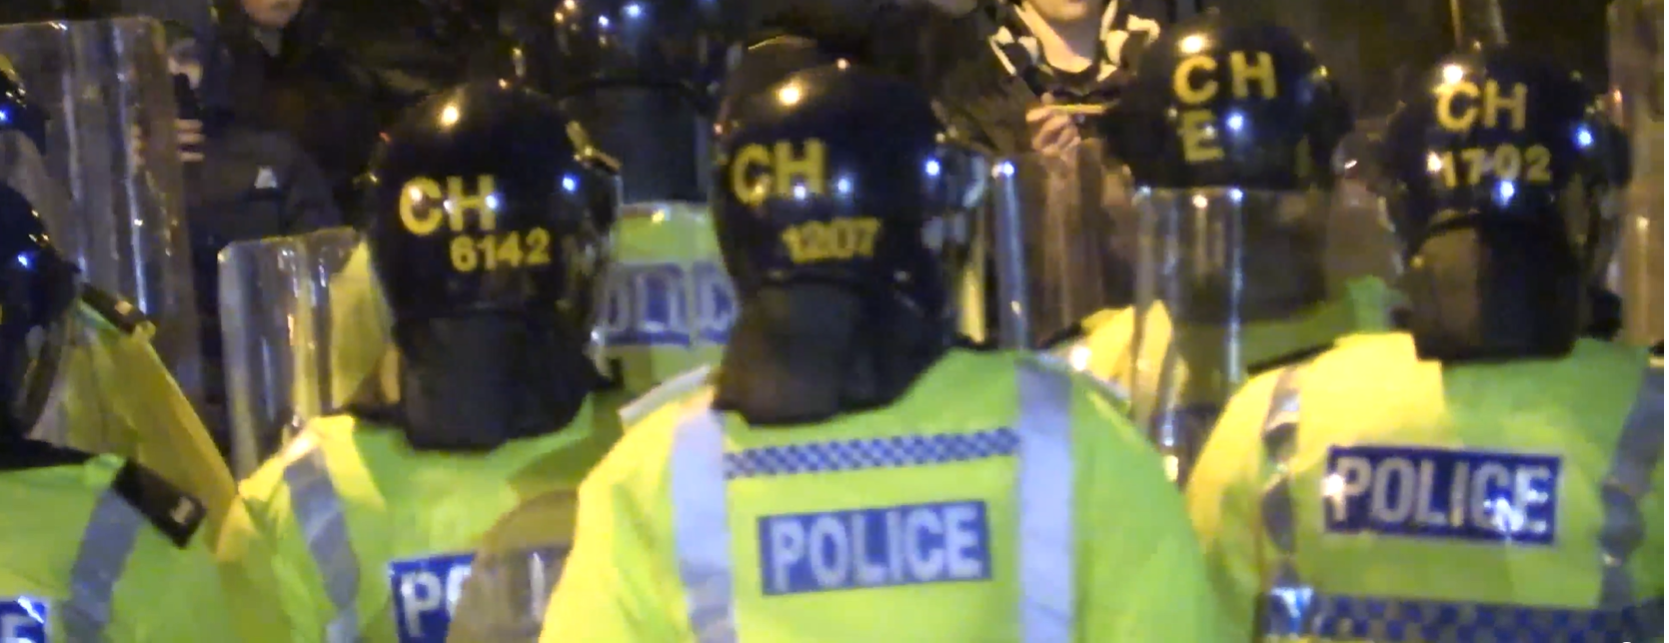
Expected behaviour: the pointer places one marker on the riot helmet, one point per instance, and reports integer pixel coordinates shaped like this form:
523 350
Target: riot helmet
844 213
1229 131
37 290
1504 171
489 216
639 74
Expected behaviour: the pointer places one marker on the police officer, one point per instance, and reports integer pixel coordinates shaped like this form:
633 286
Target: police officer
651 354
488 232
851 470
1490 474
112 393
102 548
1229 131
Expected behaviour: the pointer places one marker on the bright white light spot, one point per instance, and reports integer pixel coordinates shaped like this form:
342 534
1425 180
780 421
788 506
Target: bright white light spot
449 115
789 95
1237 122
933 168
1453 73
569 184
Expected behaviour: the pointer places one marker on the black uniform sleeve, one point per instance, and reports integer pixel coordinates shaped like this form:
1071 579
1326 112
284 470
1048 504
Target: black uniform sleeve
308 203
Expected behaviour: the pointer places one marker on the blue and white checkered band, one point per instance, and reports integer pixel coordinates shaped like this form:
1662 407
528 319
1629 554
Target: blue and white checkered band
876 453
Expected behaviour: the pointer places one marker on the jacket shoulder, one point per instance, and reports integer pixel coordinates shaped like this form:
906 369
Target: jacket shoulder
666 393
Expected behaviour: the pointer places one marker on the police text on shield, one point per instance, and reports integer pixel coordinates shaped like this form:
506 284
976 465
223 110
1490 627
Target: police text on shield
878 547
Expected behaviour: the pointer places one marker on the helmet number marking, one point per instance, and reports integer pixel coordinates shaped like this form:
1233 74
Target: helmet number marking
1507 162
837 240
508 250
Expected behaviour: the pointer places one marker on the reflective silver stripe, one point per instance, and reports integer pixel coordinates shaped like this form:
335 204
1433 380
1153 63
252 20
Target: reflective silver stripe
701 531
1638 450
1289 598
106 544
319 513
1048 539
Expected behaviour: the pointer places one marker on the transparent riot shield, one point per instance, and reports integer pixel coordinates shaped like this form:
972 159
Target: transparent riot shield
280 323
1229 283
1062 233
110 156
1637 96
669 304
1374 50
514 572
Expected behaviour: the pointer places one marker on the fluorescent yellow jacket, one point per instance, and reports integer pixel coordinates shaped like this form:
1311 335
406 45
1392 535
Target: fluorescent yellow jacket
113 395
948 516
370 538
1105 349
1467 502
100 552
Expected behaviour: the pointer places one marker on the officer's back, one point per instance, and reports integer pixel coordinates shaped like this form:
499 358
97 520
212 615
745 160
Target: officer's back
851 475
101 548
487 237
1489 474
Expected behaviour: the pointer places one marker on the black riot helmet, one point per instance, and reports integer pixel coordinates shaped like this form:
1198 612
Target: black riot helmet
37 289
1501 176
17 112
842 205
489 215
765 63
1215 103
1229 131
639 74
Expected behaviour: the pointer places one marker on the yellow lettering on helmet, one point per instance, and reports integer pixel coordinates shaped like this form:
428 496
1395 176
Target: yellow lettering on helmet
744 184
790 173
423 204
1495 103
459 201
418 198
1183 80
1199 136
1461 119
1243 73
1447 117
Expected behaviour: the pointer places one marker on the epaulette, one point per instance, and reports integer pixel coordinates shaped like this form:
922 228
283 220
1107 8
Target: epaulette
664 394
173 512
125 316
